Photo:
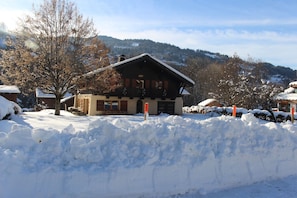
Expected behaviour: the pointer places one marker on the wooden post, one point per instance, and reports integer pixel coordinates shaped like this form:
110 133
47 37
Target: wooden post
146 109
292 114
234 111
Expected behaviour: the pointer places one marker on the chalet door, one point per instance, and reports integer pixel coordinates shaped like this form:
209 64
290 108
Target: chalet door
166 107
139 106
86 106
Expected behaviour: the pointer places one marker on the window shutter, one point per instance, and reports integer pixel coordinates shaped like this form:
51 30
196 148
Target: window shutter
100 105
124 105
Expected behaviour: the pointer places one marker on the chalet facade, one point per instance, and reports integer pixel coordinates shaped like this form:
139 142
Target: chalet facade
145 79
287 99
10 92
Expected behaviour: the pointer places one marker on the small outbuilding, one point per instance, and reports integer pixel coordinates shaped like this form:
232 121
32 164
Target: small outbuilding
287 99
210 103
46 100
10 92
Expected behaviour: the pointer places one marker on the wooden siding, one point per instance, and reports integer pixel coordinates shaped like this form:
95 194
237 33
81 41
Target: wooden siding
10 96
146 79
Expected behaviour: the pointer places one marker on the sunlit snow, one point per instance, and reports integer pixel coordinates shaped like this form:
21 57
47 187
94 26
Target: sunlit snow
42 155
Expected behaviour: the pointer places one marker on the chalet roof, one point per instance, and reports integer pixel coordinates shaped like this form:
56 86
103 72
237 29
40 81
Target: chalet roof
286 96
146 55
289 94
9 89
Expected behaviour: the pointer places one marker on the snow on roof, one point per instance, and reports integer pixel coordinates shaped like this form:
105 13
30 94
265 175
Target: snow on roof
289 93
292 84
286 96
207 101
289 90
183 91
140 56
67 98
9 89
41 94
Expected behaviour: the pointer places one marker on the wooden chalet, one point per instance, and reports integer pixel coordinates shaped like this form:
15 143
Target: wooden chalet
145 79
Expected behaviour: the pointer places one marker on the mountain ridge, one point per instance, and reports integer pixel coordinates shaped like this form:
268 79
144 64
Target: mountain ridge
177 56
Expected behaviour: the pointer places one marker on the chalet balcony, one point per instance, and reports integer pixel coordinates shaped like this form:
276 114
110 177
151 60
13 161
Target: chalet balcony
144 93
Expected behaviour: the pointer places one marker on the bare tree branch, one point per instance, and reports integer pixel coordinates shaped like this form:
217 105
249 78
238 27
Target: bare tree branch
53 47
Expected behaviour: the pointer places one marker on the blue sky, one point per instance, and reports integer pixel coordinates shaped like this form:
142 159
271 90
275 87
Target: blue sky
264 30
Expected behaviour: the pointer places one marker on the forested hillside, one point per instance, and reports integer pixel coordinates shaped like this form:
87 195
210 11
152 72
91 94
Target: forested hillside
166 52
246 83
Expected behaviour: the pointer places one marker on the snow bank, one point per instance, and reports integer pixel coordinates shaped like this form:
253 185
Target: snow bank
8 108
124 156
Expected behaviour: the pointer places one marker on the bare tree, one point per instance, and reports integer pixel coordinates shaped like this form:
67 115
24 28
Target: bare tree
52 48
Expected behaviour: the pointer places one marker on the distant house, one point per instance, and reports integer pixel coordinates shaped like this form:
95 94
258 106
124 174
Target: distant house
10 92
47 100
145 79
287 99
200 108
209 103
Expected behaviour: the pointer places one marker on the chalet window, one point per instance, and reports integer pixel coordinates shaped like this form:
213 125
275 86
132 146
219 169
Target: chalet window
139 84
100 105
159 84
166 107
107 105
111 105
114 105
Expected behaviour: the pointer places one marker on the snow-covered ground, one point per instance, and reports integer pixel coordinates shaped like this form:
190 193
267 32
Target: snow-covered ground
42 155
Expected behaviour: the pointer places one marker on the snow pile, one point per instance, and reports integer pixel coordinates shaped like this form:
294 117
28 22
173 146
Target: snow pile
8 108
124 156
275 116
